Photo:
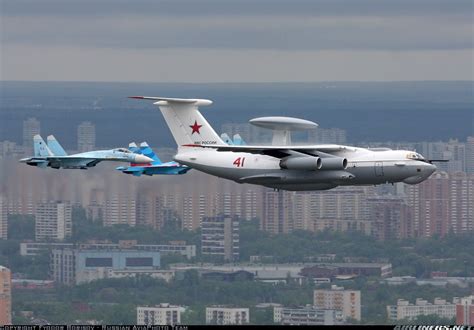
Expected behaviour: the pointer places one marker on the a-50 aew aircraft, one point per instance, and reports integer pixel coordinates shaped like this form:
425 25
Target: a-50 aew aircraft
53 155
281 165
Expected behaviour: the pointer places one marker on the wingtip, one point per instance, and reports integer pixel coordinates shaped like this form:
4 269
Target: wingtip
136 97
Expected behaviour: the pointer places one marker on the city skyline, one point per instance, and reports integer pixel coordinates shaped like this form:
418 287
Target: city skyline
384 90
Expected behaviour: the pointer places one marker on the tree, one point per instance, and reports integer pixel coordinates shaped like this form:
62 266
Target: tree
21 227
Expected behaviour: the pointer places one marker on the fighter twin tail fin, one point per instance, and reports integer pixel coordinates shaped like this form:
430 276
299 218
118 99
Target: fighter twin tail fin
147 151
40 147
55 147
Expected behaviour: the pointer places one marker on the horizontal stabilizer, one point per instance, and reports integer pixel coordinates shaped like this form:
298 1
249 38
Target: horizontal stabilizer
171 100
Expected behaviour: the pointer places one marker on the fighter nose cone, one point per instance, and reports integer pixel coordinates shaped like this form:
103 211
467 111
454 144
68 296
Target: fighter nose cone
142 159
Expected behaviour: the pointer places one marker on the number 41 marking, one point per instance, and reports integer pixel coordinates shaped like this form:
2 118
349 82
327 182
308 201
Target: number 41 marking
239 162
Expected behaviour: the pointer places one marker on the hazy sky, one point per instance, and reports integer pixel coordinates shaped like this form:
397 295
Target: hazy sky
244 40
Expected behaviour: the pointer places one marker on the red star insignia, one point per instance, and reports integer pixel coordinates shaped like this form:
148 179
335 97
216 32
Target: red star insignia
195 128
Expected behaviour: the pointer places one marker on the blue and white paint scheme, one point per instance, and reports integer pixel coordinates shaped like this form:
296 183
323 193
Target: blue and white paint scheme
154 167
53 155
237 141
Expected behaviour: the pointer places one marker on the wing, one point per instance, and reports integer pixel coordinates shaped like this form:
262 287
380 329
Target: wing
278 151
73 162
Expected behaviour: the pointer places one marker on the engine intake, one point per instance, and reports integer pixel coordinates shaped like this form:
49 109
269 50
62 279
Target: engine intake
333 163
301 163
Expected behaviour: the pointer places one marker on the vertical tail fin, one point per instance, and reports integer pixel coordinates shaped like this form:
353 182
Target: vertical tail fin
55 147
147 151
186 123
40 147
134 148
238 140
226 138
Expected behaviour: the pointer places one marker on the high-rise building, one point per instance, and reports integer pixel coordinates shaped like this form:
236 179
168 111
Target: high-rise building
456 153
305 210
429 201
461 202
31 127
53 220
147 210
62 266
155 209
196 206
120 210
227 315
5 296
278 211
327 135
341 209
465 311
220 237
391 218
442 203
249 133
308 315
3 219
404 310
85 136
347 301
453 150
162 314
470 154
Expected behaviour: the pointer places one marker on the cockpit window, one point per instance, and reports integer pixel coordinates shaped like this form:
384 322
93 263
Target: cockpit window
415 156
124 150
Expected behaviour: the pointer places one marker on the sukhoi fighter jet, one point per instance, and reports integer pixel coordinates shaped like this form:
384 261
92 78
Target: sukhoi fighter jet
53 155
283 165
154 167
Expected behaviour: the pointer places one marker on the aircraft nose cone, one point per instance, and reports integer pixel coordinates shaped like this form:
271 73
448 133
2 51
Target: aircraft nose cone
142 159
431 168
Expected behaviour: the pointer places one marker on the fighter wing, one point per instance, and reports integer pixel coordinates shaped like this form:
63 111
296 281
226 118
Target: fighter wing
73 162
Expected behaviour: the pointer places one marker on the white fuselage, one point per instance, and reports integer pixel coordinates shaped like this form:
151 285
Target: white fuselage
364 167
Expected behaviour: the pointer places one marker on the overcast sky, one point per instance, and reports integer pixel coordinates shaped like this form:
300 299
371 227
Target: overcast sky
236 41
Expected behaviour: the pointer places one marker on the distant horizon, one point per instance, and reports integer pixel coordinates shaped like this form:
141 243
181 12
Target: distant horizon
231 82
368 111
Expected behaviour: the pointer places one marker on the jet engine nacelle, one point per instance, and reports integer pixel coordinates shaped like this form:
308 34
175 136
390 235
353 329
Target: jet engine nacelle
333 163
301 163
